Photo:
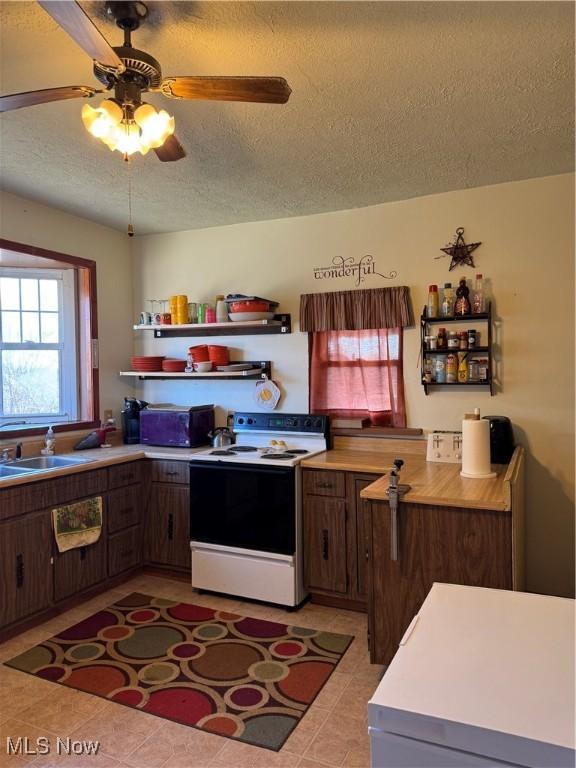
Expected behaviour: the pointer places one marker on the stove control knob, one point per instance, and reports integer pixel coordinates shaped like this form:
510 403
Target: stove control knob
308 422
240 420
250 421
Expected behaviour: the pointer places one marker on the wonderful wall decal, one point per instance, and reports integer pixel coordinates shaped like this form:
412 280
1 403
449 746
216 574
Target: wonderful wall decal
360 270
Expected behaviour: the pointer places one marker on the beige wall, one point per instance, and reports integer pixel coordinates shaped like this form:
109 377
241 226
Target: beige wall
527 251
26 222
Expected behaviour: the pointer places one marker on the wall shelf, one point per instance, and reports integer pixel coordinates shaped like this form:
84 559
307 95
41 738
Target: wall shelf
280 324
262 370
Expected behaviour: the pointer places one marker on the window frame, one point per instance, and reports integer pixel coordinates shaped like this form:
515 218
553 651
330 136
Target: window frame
86 326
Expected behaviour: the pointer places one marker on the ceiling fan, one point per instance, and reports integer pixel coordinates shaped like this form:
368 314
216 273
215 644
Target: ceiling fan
123 121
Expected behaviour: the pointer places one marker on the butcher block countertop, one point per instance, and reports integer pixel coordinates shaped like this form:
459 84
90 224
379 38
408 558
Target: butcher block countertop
434 483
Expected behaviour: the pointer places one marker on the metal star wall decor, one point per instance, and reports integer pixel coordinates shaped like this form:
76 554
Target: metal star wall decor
459 252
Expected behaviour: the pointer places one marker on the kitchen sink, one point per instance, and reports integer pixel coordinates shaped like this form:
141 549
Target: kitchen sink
7 471
37 463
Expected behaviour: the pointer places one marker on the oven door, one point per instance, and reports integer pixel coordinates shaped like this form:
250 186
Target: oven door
243 505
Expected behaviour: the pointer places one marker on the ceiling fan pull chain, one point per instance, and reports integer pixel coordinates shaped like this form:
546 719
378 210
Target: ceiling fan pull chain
130 226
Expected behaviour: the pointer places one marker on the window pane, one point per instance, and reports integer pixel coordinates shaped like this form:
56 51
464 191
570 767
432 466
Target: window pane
30 328
49 295
11 327
29 291
10 292
30 382
49 327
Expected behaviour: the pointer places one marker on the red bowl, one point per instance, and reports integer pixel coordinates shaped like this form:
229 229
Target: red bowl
199 353
251 305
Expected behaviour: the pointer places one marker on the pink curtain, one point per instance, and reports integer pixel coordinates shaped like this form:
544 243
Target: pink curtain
358 374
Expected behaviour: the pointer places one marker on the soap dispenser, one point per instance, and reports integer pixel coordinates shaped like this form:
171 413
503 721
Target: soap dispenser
49 443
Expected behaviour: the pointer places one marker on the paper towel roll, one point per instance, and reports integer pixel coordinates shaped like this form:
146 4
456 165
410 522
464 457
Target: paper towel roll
476 448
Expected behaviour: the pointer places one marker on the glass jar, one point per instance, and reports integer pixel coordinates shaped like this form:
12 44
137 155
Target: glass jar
440 370
462 340
451 369
453 341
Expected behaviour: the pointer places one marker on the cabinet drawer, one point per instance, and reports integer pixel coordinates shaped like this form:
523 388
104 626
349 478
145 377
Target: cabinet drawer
124 550
124 505
170 472
125 474
324 482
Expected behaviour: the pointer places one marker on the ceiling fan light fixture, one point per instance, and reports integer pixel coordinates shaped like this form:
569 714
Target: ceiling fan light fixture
125 130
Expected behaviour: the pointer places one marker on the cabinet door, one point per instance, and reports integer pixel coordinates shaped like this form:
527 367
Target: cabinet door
25 568
124 505
79 568
124 550
357 535
325 544
446 544
167 531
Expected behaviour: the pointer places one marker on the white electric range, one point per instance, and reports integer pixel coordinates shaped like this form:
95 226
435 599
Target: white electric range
245 507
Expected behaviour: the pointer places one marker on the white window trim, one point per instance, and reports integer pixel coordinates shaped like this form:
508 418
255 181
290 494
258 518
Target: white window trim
68 348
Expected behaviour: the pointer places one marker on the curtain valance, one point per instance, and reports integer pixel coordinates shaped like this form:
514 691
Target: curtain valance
358 310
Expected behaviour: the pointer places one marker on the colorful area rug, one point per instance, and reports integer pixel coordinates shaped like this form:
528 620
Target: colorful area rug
247 679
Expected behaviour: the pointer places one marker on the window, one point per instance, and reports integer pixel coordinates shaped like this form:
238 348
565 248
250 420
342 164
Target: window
37 345
358 374
48 371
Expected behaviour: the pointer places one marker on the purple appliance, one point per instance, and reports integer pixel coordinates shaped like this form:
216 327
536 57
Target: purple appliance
177 426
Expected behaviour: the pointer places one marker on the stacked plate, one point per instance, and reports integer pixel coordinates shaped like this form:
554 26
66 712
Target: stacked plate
171 365
244 317
146 363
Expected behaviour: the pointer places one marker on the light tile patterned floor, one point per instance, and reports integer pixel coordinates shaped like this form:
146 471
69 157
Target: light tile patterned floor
332 733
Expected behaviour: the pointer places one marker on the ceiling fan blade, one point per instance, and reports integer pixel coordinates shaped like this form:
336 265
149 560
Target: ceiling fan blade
272 90
31 98
73 20
171 150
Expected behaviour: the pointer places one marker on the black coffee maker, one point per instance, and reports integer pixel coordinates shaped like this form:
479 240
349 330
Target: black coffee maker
501 439
131 419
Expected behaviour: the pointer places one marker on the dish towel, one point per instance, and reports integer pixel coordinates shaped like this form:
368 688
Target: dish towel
78 524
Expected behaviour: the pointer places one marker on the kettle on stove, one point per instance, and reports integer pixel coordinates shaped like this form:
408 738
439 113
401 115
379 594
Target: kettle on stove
221 437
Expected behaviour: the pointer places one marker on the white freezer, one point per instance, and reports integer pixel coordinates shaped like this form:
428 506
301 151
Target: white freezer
482 677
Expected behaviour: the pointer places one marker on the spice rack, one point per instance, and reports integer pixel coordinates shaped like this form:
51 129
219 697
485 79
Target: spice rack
485 318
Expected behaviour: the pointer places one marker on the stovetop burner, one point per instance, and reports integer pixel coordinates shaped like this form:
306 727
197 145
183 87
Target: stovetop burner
243 449
279 456
296 451
222 452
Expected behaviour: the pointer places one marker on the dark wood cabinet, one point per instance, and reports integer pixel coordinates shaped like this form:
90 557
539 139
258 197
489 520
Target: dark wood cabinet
325 545
168 526
78 569
25 567
335 544
124 507
124 550
444 544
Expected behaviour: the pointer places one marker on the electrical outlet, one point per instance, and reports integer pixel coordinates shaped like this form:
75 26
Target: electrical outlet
108 414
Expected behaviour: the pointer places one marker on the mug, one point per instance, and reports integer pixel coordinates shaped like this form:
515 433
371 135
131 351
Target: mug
157 318
165 318
202 367
145 318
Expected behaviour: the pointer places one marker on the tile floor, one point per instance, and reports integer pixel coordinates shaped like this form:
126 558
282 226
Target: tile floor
332 733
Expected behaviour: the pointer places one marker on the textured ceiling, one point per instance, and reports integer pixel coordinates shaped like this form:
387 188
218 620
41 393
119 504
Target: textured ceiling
390 100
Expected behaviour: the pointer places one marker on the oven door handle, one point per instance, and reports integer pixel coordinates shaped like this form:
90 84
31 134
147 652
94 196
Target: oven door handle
218 466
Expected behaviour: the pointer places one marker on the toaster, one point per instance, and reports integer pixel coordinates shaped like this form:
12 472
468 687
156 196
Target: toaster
177 426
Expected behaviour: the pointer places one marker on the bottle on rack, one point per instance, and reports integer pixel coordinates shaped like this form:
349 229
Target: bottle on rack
440 370
478 303
448 301
462 367
432 306
451 368
462 306
441 339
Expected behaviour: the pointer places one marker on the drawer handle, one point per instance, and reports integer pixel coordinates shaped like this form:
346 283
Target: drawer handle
171 474
19 571
325 485
170 526
325 544
127 553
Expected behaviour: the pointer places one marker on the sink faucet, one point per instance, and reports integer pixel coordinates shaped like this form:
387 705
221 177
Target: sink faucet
6 453
395 493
